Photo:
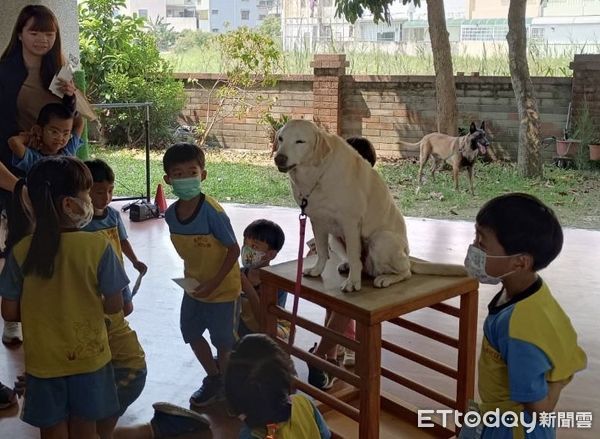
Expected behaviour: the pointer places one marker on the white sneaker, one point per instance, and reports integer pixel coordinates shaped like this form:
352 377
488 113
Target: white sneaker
12 333
349 358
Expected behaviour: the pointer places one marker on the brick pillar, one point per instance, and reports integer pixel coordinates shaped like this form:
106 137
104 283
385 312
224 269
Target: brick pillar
586 85
329 72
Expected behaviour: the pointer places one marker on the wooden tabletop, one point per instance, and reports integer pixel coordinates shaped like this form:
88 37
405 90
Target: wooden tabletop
370 305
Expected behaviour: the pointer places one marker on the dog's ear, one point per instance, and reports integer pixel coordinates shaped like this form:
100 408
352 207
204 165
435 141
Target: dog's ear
482 125
322 147
472 128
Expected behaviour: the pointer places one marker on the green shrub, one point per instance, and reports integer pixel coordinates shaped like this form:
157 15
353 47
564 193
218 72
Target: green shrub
122 64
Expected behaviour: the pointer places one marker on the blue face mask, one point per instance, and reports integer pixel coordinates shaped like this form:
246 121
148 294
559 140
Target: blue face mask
187 188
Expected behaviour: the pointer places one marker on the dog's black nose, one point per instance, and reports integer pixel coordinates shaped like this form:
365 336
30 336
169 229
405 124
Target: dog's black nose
280 160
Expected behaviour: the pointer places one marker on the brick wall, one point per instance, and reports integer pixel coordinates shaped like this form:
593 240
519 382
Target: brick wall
390 108
387 109
586 85
293 95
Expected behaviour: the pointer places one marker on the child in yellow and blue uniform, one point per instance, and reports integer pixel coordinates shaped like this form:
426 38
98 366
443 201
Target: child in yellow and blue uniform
204 239
263 239
529 349
59 132
108 221
258 384
60 282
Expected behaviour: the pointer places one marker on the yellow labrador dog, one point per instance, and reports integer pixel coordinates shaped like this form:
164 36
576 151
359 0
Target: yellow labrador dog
346 198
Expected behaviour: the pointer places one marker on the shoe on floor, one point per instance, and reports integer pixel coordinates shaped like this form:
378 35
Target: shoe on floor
210 391
319 378
349 358
12 333
8 397
170 420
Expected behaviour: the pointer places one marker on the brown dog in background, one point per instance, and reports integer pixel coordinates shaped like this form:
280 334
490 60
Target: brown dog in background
460 152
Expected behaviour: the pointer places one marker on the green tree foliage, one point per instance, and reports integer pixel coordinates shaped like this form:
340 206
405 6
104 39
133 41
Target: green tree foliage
188 39
163 33
250 60
271 26
122 64
352 10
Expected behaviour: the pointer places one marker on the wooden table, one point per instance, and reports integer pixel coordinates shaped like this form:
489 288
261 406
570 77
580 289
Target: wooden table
370 307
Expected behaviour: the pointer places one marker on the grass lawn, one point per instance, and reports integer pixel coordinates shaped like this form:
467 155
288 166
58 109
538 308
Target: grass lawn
251 178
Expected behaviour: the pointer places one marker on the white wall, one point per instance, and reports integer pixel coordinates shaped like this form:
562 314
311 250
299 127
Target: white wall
65 11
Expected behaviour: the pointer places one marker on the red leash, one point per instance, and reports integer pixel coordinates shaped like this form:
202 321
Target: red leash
298 286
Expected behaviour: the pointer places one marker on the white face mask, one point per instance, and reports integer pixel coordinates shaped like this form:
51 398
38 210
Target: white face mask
80 220
475 262
252 258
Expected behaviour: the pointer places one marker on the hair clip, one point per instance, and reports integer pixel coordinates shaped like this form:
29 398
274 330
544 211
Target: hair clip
271 429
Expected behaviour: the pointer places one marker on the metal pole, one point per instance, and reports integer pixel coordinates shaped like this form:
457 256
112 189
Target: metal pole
147 129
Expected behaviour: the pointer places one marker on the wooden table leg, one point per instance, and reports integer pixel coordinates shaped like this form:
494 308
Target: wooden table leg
369 369
268 297
467 345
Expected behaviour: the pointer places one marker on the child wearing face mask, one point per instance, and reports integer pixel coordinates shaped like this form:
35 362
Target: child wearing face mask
59 282
529 350
263 239
204 239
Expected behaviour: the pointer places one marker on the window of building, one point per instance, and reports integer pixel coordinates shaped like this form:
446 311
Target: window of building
302 3
385 36
476 33
327 3
143 13
537 33
325 32
262 16
203 14
245 15
215 29
215 12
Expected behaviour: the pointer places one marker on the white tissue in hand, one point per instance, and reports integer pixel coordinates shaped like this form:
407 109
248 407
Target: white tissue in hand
66 74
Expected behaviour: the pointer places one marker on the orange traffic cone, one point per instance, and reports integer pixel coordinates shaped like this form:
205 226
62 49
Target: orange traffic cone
160 200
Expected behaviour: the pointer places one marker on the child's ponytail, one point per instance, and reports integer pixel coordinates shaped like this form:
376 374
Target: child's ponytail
46 237
49 181
19 222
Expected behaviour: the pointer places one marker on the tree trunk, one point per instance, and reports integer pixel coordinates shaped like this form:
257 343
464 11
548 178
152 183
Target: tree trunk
529 157
445 91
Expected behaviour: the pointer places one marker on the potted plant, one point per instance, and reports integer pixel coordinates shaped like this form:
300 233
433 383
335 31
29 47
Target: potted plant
594 147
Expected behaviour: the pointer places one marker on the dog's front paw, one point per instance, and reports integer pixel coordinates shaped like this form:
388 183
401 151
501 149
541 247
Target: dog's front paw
344 267
313 271
350 285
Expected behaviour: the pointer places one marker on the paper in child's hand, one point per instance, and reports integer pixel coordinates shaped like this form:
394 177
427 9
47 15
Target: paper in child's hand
66 74
188 284
138 282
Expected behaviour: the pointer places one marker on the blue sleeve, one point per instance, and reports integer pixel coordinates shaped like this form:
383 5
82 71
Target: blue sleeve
245 433
220 227
120 226
73 145
281 298
27 161
11 279
111 274
323 428
527 366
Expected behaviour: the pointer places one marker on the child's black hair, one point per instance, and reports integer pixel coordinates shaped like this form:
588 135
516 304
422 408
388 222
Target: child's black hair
266 231
51 111
100 171
49 181
258 381
523 224
364 147
181 153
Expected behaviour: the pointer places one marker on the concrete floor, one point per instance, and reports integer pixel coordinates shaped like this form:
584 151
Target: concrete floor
174 373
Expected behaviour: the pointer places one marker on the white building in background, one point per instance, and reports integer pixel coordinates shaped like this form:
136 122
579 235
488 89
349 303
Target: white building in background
180 14
206 15
312 24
